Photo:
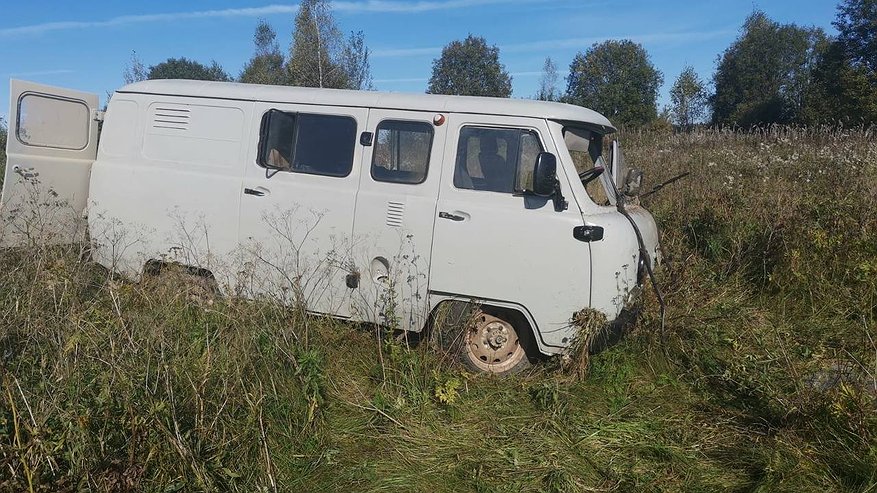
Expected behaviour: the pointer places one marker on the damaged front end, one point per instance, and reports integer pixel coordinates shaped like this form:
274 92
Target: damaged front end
625 187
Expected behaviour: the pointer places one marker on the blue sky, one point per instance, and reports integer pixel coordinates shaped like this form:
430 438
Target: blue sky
86 45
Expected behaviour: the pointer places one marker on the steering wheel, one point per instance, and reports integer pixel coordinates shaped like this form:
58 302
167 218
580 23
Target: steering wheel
589 175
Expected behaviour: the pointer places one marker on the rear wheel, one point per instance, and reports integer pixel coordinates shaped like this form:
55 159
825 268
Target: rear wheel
492 345
173 282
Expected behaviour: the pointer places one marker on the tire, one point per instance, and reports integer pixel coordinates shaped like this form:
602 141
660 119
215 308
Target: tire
493 345
175 282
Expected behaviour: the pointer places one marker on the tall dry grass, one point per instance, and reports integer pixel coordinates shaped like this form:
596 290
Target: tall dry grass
772 280
763 383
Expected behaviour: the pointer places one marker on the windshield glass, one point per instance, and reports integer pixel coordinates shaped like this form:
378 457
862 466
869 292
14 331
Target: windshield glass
586 148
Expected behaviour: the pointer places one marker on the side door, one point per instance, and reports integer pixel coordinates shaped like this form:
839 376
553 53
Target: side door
491 243
50 148
395 214
298 197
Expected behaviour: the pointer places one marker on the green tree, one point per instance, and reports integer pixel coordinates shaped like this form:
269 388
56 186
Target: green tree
841 92
183 68
763 76
135 71
844 88
267 64
688 98
354 60
857 32
470 68
548 83
316 47
617 79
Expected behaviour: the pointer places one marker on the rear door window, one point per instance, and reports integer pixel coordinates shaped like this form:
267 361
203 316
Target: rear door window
45 121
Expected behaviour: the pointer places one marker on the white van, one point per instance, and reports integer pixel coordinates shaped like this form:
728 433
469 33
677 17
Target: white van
366 206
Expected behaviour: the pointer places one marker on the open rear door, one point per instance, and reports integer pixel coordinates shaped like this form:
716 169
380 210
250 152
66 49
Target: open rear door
51 145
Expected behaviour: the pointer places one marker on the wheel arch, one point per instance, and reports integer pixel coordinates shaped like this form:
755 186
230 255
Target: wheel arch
459 306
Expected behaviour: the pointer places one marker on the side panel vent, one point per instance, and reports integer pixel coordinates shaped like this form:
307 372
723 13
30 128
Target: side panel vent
170 118
395 213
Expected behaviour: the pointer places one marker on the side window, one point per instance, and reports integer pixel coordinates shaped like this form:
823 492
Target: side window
308 143
402 152
493 159
47 121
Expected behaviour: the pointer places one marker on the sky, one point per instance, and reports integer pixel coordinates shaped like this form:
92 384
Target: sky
86 45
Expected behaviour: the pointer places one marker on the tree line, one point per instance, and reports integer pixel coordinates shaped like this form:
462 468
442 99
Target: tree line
319 56
772 73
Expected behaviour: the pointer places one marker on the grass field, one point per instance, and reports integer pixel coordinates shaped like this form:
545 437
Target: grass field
766 380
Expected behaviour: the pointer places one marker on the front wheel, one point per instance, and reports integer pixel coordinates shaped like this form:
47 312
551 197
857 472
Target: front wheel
492 345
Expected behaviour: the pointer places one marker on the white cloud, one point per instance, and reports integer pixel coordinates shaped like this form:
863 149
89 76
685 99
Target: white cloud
147 18
580 43
388 6
381 6
649 38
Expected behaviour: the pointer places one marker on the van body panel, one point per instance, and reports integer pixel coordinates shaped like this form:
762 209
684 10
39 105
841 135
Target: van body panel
509 247
50 148
615 261
395 214
295 232
161 191
231 178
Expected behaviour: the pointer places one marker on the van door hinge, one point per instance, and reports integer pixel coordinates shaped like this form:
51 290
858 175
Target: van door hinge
97 115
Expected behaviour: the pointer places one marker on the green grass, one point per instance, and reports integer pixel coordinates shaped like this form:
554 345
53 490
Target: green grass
109 386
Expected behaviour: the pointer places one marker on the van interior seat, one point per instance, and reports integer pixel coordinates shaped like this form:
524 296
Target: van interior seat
496 175
276 159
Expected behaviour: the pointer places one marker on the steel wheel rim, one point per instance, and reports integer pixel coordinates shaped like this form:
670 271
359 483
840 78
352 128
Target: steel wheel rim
492 344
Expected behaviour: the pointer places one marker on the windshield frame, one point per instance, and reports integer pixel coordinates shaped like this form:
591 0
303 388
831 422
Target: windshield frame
604 195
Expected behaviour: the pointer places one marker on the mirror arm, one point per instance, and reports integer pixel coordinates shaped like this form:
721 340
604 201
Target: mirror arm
560 203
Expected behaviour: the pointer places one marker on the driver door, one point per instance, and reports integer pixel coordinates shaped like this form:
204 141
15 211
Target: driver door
50 148
491 243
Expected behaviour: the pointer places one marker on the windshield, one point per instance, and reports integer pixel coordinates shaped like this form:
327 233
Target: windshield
586 148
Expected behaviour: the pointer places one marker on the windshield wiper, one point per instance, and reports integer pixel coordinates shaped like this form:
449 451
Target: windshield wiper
662 185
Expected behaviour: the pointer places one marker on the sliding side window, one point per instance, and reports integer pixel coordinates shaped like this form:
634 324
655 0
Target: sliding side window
307 143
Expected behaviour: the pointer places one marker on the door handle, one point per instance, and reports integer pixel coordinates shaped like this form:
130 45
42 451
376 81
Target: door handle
452 217
253 191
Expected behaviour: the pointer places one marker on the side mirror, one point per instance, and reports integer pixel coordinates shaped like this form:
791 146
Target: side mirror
545 183
545 175
633 182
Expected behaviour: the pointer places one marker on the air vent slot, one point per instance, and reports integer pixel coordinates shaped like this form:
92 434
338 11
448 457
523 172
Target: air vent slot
171 118
395 213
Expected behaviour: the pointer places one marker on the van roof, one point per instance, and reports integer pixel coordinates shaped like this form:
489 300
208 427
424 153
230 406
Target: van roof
372 99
